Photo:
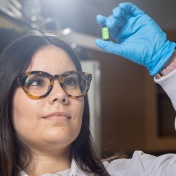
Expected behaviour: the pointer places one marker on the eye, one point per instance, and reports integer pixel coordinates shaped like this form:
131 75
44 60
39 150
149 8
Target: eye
72 81
35 82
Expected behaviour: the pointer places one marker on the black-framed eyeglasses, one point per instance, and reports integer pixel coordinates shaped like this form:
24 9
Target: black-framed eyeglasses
39 84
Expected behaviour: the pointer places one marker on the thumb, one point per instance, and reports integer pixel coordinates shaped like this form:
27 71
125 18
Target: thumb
111 47
101 20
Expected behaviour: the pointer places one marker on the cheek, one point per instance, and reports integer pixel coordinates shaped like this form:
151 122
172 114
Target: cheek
79 119
23 109
78 109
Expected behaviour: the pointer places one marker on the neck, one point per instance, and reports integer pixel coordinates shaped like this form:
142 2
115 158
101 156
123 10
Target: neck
48 163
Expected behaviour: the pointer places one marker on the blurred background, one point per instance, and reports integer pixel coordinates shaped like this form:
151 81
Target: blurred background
128 110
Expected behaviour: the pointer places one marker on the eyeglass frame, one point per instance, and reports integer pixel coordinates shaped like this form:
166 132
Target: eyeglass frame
23 76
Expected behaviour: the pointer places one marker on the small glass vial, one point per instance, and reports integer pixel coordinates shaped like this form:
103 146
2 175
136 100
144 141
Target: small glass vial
105 32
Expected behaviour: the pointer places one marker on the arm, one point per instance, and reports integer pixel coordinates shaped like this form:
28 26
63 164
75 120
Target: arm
143 165
168 68
168 83
167 79
138 38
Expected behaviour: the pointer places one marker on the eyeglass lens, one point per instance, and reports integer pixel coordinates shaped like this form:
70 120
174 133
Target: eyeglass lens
39 84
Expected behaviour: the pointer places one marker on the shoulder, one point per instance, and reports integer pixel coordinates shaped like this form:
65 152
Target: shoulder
144 165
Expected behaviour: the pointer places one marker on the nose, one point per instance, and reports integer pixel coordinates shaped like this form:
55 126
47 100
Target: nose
57 95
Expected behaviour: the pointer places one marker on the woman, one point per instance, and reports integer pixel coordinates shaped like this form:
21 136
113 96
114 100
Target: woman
44 124
44 116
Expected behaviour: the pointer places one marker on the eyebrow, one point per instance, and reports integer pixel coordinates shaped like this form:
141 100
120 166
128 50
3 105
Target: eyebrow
50 73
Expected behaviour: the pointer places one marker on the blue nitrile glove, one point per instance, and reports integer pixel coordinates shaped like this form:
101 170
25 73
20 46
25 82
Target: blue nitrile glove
138 37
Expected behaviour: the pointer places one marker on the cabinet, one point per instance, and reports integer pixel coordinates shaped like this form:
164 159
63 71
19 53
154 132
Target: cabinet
136 114
159 117
166 114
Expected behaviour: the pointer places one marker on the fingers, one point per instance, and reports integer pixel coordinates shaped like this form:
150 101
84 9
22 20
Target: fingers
126 10
120 15
120 23
110 47
112 22
101 20
130 9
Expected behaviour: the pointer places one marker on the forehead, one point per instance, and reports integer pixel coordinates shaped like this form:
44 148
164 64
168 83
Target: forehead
51 59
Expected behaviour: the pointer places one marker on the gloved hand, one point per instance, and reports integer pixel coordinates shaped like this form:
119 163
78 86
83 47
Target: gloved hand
138 37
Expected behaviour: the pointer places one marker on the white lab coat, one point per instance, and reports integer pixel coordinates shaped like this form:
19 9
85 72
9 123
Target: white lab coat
168 83
140 164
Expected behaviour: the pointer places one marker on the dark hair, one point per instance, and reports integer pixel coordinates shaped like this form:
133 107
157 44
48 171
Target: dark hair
14 154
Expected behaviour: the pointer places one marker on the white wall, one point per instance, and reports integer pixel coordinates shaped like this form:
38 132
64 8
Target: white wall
94 100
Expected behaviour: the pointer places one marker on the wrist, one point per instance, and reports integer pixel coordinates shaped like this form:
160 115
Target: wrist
169 67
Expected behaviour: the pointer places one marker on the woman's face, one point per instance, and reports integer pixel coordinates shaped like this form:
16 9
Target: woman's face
55 121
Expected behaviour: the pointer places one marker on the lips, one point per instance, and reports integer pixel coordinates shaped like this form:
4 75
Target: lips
58 115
